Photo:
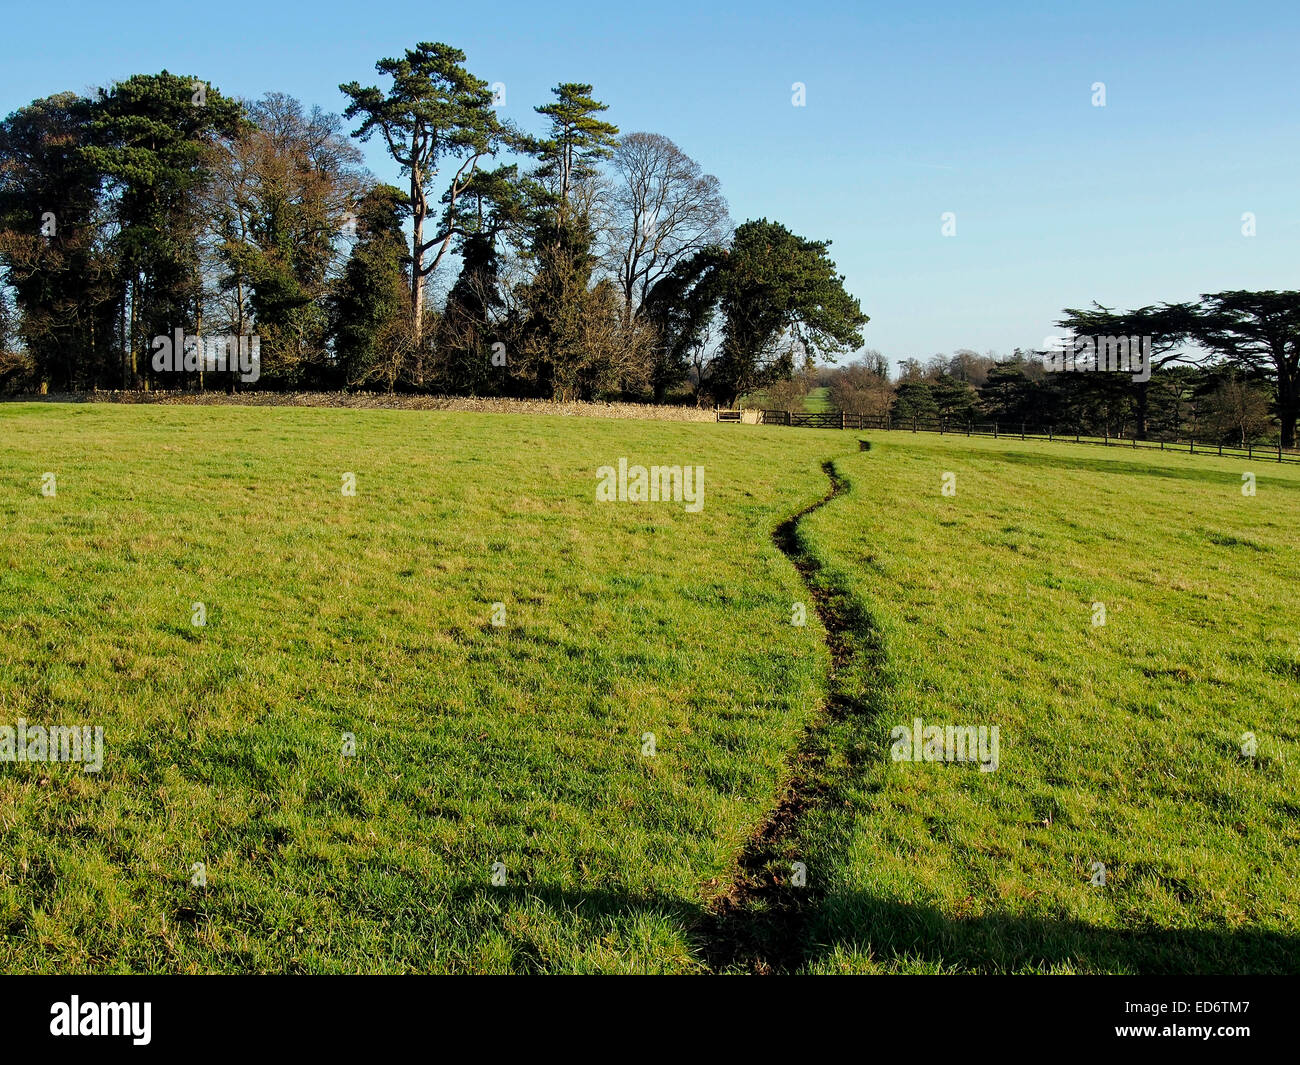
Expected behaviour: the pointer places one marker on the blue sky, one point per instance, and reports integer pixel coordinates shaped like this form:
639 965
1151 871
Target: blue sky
912 110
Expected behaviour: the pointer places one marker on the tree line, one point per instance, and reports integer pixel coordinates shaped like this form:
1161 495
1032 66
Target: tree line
1225 366
570 261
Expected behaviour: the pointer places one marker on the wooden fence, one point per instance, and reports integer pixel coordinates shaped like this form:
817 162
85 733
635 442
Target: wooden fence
1018 431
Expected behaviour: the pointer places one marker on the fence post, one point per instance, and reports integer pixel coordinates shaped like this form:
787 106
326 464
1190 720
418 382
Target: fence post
789 418
1106 438
1049 432
1279 447
842 424
1022 430
995 430
1250 451
1191 447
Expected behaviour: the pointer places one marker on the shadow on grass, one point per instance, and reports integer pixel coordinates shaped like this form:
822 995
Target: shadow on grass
855 927
1105 464
917 936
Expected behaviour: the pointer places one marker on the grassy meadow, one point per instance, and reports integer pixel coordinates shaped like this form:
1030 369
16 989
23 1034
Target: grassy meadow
517 752
1124 830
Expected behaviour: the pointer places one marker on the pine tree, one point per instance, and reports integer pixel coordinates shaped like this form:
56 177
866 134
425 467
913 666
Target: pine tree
436 111
577 142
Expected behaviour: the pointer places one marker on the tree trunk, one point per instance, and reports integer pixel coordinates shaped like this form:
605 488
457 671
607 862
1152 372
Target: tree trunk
417 256
1288 405
1140 414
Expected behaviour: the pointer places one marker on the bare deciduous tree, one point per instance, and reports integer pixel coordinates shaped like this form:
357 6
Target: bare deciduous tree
664 210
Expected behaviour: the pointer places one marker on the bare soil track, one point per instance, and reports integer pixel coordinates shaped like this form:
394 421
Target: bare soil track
758 925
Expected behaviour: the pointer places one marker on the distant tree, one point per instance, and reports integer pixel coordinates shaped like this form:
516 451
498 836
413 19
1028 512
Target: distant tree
55 247
779 294
493 204
1169 327
914 401
435 115
681 307
862 387
1259 332
969 366
1011 395
560 325
910 370
550 337
575 144
1237 407
790 394
956 400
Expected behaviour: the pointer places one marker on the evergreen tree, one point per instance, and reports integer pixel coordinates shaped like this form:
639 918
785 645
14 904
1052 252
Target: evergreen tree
153 139
54 247
680 308
369 302
777 289
577 142
435 113
493 203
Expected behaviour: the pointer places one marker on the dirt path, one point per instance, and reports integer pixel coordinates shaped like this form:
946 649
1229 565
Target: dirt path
758 925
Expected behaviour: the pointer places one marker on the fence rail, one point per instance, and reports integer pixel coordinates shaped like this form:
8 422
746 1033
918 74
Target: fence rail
1018 431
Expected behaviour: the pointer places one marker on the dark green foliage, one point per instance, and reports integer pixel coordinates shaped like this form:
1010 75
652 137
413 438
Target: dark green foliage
578 141
550 332
1169 328
494 202
436 112
152 138
777 287
914 401
680 308
1260 332
64 279
465 331
369 300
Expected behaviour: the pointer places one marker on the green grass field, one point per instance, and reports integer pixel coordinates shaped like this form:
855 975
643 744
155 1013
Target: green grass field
1120 744
517 751
816 401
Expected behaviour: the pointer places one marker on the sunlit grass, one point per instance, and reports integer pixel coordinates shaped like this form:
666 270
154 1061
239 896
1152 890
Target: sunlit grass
1121 743
521 744
371 615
